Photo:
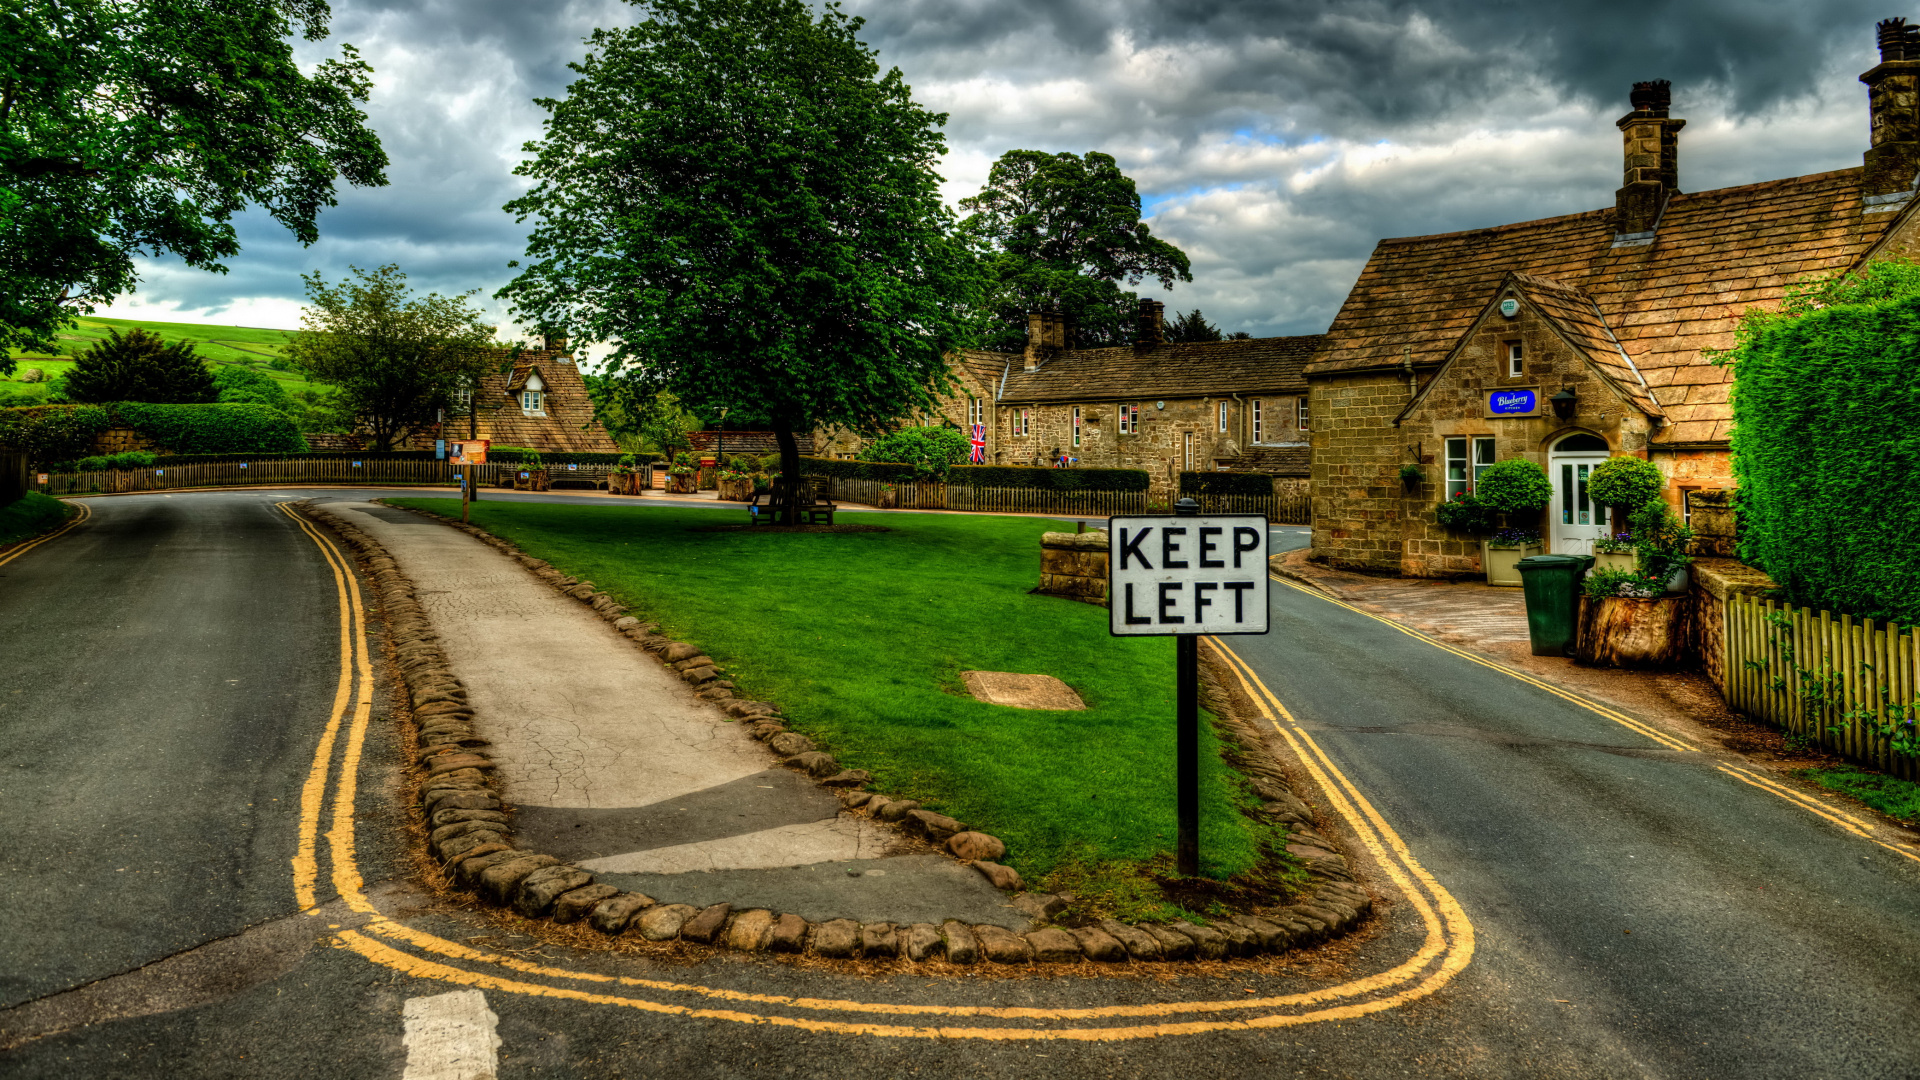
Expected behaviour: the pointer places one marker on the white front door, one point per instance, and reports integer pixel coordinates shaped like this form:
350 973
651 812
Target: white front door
1577 520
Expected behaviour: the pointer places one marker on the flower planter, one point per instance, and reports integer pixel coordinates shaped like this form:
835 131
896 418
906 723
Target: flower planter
736 490
1629 632
681 483
1615 560
1502 563
534 480
889 500
626 483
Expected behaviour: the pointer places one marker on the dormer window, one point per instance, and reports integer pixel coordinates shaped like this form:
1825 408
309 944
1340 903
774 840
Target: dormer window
533 397
1516 366
463 401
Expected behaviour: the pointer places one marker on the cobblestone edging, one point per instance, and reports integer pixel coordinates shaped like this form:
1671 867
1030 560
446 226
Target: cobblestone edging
469 830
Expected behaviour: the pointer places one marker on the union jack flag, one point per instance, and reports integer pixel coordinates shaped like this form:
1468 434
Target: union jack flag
979 440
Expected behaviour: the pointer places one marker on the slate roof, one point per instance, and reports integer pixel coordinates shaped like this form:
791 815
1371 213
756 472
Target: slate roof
1191 369
1716 254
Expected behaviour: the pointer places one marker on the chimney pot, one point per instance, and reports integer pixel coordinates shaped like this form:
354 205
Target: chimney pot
1893 156
1651 141
1653 97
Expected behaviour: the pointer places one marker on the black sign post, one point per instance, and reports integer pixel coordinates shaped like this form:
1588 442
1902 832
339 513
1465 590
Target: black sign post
1184 576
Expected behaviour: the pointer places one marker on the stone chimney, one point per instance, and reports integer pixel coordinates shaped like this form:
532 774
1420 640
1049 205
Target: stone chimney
1150 327
1652 143
554 343
1893 102
1047 334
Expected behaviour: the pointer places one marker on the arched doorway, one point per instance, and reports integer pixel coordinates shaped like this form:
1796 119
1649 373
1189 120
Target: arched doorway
1577 520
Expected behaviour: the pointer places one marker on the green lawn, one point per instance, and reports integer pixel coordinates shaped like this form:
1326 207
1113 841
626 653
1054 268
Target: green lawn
861 638
249 346
1887 794
31 516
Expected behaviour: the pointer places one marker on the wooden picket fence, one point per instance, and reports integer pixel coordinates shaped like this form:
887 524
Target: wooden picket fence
288 471
1833 679
1001 500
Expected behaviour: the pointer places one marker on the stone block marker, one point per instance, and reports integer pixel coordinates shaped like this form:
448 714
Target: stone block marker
1022 691
1074 565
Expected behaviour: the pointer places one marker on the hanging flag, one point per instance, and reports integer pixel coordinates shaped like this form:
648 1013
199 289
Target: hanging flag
979 440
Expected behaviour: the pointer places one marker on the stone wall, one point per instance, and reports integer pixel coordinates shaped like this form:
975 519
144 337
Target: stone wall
119 440
1169 429
1074 565
1714 580
1358 507
1715 529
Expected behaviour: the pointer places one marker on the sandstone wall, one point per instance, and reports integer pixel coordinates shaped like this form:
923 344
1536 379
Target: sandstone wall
1074 565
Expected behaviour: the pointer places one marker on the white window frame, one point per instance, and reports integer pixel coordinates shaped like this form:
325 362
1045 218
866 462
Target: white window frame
1223 418
976 411
533 401
1076 426
1516 360
1303 412
1022 422
1129 419
1469 455
1187 447
463 401
1259 418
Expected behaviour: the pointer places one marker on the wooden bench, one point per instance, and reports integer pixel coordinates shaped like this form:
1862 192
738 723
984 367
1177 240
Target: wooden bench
809 509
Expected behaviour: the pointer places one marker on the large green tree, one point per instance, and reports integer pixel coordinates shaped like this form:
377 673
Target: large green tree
735 195
141 127
1063 233
139 366
396 360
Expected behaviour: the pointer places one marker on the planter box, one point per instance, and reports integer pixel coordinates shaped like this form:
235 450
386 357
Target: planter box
736 490
1502 564
707 478
536 480
1624 631
1618 560
681 484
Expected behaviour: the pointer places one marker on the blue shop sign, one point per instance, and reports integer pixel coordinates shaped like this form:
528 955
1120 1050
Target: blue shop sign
1512 402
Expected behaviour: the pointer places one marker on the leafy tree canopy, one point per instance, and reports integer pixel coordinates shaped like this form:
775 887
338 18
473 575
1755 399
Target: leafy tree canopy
930 450
395 359
1063 232
142 126
140 367
735 194
1193 326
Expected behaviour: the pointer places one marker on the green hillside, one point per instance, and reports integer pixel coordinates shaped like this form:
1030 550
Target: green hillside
249 346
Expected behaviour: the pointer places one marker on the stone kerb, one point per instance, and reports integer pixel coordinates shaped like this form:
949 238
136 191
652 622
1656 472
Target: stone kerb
470 831
1074 565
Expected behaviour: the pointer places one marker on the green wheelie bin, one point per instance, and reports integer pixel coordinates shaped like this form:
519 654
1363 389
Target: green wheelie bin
1552 585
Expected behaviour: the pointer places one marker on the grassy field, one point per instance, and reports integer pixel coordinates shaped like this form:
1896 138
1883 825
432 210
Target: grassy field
1888 794
218 345
861 638
29 517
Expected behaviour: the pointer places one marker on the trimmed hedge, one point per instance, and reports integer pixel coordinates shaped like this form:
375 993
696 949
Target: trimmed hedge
1000 476
885 472
53 432
1225 483
213 429
1826 452
517 455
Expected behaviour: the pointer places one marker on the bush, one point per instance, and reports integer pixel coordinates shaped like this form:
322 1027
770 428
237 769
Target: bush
1466 513
32 375
1625 482
1661 540
130 459
931 451
1514 486
520 455
54 432
213 429
1028 476
1825 408
140 367
1225 483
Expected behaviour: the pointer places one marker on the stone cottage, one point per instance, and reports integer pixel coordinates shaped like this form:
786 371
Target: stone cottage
535 399
1569 339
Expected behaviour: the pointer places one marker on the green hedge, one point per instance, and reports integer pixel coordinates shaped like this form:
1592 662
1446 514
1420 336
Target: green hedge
886 472
1225 483
53 432
1000 476
213 429
1826 452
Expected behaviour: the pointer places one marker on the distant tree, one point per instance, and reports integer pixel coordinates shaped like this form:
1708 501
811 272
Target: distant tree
1239 335
1063 232
139 366
1192 326
734 193
143 126
395 359
240 385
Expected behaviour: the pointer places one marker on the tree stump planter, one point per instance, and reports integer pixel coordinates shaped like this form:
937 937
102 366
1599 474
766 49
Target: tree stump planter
736 490
1628 632
681 483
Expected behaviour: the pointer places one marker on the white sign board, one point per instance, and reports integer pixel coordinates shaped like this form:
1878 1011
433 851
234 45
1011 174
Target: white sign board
1187 575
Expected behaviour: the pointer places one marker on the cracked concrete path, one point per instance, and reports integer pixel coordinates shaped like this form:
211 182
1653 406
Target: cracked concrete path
613 762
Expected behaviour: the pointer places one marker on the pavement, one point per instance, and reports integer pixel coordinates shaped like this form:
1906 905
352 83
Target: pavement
1568 889
615 765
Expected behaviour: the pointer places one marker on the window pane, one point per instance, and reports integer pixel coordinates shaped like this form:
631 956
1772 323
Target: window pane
1581 504
1566 494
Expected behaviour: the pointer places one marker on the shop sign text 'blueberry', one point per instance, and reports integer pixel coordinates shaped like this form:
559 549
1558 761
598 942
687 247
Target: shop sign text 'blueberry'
1187 575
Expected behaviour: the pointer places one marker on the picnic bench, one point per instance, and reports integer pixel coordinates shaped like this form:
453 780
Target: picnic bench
809 509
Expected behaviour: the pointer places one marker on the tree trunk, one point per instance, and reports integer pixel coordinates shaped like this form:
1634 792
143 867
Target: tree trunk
789 472
1622 631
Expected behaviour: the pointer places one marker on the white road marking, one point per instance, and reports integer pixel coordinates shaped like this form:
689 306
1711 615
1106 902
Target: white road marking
450 1037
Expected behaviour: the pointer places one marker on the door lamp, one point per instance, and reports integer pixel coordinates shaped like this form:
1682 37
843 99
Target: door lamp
1563 403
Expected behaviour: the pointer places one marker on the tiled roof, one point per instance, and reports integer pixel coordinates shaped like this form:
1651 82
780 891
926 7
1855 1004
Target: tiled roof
1579 318
1277 460
569 424
1192 369
746 442
1716 254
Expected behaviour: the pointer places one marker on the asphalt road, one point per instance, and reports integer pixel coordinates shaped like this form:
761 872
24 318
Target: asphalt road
1635 911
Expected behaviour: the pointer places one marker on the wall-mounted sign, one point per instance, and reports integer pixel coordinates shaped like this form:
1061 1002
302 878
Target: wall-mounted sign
1509 307
1521 402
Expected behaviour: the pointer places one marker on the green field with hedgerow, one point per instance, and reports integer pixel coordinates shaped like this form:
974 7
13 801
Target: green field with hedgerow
861 638
262 350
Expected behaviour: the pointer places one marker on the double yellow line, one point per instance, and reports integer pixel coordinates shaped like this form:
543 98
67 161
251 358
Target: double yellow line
1449 937
76 521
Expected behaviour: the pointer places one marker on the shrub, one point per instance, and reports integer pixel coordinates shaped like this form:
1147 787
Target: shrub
213 429
1466 513
1661 547
1625 482
1604 583
931 451
1225 483
32 375
1825 408
1514 486
140 367
130 459
55 432
518 455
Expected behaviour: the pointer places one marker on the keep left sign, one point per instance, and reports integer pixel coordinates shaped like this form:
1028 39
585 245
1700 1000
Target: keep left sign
1187 575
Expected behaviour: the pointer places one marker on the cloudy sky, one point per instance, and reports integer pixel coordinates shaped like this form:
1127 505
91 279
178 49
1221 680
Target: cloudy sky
1273 140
